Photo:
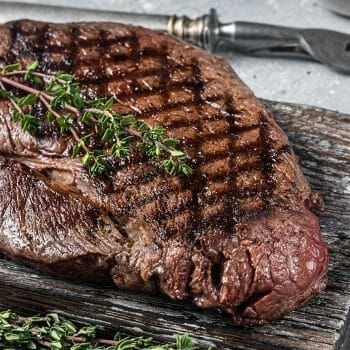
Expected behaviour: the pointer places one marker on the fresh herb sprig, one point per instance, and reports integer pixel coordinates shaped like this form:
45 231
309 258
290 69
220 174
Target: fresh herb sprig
56 333
118 134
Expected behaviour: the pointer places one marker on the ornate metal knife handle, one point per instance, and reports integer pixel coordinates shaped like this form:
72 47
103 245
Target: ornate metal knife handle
326 46
208 32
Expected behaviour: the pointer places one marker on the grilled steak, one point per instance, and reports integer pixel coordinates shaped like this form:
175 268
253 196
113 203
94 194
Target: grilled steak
237 235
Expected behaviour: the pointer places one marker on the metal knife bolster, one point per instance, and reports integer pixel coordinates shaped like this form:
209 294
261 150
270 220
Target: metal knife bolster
200 31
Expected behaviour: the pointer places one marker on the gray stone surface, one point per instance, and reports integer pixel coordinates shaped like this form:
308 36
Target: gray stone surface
276 79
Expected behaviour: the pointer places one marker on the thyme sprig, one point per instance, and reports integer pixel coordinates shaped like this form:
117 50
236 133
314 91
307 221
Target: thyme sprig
118 134
56 333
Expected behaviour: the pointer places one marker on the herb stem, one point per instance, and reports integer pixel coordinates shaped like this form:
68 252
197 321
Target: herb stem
140 136
34 91
76 339
56 333
72 338
21 86
37 74
99 111
44 343
13 102
128 130
105 341
116 131
71 129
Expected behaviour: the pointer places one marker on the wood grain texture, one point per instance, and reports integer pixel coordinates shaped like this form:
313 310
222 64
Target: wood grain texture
321 139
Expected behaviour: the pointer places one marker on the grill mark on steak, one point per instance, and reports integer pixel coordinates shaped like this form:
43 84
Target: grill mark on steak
219 117
213 178
268 158
197 186
201 237
226 218
41 45
72 56
165 81
232 175
231 195
163 90
134 57
151 173
138 90
14 29
165 87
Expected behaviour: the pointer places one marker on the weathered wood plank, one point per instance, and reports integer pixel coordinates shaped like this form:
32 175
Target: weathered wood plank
322 141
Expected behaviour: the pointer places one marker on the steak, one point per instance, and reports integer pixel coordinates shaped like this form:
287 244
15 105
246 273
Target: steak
238 235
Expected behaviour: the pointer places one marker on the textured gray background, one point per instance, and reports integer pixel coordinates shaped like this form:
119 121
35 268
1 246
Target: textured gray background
276 79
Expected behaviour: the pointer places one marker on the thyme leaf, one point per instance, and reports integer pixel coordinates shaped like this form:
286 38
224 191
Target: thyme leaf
56 333
117 134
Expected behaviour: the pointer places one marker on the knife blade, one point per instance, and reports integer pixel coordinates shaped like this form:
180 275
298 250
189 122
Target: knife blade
325 46
341 7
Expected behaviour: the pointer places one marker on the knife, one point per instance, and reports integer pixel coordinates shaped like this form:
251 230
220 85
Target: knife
328 47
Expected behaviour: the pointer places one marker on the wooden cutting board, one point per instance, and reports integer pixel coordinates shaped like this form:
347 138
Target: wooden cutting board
322 141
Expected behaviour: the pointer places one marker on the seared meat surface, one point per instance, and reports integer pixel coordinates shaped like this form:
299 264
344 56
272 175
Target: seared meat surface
237 235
